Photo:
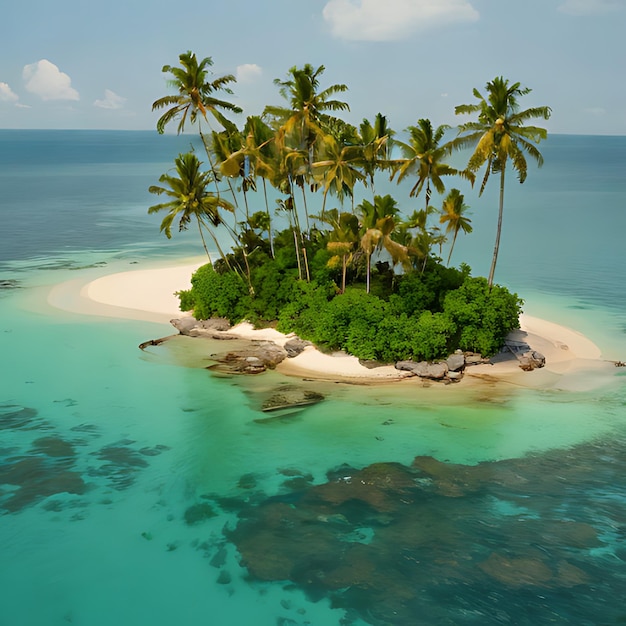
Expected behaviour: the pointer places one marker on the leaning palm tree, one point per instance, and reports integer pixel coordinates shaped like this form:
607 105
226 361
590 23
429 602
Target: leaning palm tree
452 212
190 200
500 135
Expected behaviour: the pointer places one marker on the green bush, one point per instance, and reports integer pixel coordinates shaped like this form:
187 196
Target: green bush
433 336
482 317
301 313
216 295
428 316
346 317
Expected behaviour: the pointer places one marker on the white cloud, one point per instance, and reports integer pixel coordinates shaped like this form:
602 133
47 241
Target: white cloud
388 20
45 80
248 72
7 94
591 7
110 101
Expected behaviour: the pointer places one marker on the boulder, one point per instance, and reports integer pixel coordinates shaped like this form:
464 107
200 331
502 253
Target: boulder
531 360
254 359
456 362
291 396
195 328
295 346
434 371
405 366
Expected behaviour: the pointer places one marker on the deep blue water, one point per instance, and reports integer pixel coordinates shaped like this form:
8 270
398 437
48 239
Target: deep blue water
136 487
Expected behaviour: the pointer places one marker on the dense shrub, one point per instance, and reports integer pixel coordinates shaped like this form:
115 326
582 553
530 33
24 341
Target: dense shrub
216 295
273 287
302 312
482 317
426 291
428 316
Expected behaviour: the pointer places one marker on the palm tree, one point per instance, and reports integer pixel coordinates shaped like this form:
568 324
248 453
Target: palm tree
337 170
195 93
423 157
195 96
190 200
419 239
376 142
378 223
499 135
452 212
342 240
302 123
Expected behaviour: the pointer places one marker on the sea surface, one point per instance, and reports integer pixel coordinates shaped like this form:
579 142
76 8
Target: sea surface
136 487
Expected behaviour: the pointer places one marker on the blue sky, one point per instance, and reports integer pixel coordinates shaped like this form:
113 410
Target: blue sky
82 64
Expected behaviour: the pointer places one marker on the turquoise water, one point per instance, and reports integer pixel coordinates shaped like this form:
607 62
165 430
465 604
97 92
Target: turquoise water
137 487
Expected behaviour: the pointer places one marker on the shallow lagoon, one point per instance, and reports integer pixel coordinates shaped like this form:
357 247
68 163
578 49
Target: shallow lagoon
137 487
134 485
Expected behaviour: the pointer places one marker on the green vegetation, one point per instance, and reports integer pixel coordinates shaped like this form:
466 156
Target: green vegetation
368 277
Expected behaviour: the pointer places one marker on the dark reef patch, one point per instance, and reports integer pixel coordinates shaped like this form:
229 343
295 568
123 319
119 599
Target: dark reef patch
121 463
510 541
36 478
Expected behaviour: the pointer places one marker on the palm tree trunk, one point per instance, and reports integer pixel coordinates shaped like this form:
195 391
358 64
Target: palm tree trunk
204 242
369 267
295 242
456 232
306 210
496 248
269 218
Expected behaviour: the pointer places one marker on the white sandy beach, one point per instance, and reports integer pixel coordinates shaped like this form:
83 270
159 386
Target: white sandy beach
573 362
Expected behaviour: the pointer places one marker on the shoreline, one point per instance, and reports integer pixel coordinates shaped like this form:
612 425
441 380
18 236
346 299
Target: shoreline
573 362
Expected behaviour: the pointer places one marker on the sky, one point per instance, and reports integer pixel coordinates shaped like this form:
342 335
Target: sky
89 64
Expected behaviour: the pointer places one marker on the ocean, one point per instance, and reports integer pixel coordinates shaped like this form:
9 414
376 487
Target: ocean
136 487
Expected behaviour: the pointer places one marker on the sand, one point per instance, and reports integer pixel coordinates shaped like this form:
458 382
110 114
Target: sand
573 362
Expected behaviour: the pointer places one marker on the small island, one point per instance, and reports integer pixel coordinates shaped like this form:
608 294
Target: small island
367 278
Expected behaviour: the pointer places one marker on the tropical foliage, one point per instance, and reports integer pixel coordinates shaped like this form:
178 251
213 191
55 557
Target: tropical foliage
364 276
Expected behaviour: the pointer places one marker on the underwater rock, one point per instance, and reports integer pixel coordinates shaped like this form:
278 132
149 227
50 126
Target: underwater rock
570 576
16 417
224 578
247 481
379 486
516 572
53 446
219 558
198 513
291 396
37 478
